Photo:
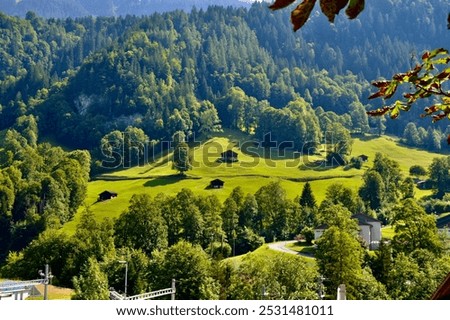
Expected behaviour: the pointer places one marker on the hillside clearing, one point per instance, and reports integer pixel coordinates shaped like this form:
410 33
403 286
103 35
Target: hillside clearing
250 173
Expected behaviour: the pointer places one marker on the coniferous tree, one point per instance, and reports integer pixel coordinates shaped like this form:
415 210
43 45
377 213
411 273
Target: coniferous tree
307 198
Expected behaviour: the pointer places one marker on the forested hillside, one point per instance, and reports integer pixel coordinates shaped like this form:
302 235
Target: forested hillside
186 72
74 90
81 8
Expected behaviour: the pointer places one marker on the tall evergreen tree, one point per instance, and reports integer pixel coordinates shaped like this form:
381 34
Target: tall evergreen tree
307 198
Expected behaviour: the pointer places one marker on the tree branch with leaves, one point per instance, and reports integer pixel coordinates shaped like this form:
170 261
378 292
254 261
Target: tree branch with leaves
430 78
330 8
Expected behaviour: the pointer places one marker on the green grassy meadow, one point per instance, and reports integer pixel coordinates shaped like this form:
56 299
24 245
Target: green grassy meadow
254 170
54 293
264 250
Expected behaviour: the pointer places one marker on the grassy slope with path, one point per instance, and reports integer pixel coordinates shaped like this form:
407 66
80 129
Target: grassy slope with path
301 247
251 173
266 252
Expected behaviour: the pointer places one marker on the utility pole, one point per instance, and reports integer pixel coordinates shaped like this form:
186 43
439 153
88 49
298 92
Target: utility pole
321 292
341 292
126 275
47 276
174 289
263 293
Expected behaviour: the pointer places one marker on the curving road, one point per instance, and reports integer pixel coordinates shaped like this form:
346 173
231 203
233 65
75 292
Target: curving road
281 246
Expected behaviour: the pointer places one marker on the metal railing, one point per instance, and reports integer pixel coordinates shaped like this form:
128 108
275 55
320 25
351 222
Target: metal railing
114 295
151 295
8 286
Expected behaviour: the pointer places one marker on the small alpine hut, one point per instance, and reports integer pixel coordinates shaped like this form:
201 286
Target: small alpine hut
107 195
216 184
229 156
363 157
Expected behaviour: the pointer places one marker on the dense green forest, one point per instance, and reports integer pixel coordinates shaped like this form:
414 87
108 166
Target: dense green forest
81 8
187 236
74 91
187 72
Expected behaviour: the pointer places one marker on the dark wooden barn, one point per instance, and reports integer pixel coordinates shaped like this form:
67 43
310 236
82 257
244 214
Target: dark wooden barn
363 157
107 195
216 184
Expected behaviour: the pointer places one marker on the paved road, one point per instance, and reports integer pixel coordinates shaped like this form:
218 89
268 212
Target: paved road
281 246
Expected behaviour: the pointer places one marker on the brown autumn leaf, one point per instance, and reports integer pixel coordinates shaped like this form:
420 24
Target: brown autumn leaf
340 4
444 74
331 8
300 15
279 4
379 112
381 83
354 8
431 109
328 8
426 55
438 117
377 94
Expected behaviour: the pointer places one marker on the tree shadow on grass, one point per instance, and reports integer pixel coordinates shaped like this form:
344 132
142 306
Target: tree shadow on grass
319 165
365 137
166 180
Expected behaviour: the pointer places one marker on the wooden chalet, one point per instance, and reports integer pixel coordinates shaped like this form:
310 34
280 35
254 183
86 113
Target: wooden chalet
216 184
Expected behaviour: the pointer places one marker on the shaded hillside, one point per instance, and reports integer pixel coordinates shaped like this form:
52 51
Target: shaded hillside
189 72
82 8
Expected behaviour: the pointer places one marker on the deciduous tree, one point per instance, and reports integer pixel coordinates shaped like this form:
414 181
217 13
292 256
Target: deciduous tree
190 266
141 226
339 257
181 158
372 189
92 283
439 171
414 229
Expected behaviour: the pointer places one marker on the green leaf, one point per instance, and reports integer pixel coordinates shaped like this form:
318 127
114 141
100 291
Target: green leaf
437 52
444 60
390 90
395 112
